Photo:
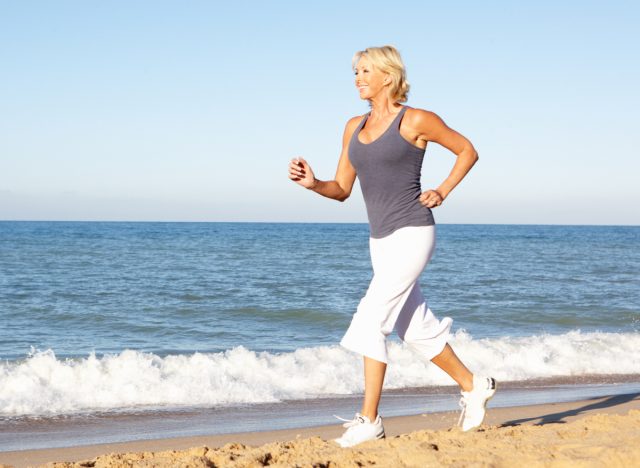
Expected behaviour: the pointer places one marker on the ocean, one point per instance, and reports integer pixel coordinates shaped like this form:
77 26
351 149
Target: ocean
119 321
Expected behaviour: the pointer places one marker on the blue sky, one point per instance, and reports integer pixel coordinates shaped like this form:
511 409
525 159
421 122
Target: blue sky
190 111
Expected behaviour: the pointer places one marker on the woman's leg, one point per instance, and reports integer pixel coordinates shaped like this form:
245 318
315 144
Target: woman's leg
449 362
421 330
373 379
397 262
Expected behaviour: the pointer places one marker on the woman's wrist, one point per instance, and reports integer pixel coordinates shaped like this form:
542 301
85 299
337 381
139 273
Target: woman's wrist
443 193
314 185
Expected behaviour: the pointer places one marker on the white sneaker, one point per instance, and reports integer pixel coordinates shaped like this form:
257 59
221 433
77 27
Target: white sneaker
360 429
473 403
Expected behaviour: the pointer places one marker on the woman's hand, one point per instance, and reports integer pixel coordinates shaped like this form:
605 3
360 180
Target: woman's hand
431 198
301 173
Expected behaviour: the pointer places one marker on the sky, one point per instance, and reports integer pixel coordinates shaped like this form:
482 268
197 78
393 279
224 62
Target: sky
191 111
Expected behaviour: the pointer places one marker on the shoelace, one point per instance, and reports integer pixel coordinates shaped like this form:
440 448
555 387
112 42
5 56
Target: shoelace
349 422
463 405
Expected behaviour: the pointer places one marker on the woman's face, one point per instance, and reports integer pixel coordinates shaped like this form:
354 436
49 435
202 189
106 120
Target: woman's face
369 80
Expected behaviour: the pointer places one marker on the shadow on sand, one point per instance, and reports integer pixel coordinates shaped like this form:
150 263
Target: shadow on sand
558 418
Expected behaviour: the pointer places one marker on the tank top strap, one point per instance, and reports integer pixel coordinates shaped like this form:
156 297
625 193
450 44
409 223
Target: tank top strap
354 137
398 121
363 120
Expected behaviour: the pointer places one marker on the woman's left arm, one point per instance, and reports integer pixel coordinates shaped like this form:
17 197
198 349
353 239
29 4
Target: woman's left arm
431 127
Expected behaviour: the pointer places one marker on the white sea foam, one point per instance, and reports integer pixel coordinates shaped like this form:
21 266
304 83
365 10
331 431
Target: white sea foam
42 384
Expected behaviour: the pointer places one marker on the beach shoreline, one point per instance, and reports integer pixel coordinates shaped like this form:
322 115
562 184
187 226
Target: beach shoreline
28 432
434 426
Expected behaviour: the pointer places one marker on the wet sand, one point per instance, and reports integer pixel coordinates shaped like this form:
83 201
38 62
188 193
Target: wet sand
600 431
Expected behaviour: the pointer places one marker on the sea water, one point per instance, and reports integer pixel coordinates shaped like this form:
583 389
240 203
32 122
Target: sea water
102 317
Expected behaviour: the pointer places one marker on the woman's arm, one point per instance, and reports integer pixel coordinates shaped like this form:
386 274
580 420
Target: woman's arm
337 189
431 127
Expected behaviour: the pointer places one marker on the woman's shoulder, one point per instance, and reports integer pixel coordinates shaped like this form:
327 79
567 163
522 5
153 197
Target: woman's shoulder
353 122
356 119
419 114
420 118
351 126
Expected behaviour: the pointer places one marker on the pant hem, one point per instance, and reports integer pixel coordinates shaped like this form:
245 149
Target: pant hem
358 350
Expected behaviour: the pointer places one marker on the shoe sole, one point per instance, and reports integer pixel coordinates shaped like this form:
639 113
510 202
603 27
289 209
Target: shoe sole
378 437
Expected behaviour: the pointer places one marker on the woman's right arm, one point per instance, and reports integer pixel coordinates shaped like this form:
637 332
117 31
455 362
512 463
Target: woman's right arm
337 189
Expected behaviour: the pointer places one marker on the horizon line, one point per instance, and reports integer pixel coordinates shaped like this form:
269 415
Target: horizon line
291 222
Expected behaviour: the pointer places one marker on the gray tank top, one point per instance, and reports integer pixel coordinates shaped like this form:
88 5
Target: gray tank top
389 172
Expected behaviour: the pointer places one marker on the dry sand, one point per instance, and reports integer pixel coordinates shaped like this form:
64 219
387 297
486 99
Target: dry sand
597 432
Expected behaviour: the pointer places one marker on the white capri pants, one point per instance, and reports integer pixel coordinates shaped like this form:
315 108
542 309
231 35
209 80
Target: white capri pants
394 300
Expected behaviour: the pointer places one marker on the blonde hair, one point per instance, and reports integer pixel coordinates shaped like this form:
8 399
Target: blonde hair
387 59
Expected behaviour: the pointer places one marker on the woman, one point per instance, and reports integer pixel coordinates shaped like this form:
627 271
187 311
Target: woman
384 149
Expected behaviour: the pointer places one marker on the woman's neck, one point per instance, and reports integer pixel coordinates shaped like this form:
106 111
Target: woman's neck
382 107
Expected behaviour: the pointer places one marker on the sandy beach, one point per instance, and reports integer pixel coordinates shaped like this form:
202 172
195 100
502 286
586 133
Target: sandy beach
601 431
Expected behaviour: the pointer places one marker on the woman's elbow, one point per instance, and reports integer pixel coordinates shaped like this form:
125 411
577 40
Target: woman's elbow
343 191
343 195
472 155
